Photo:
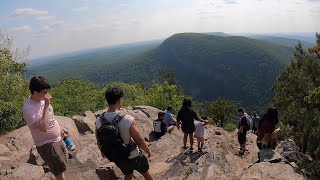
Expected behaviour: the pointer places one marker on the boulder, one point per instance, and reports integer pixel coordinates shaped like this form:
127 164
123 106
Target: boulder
84 124
266 170
4 149
35 158
19 139
219 159
26 170
90 115
68 125
269 155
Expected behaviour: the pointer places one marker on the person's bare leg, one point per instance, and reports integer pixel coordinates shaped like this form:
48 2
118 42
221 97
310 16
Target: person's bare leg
60 177
128 177
147 176
191 139
170 129
199 144
185 136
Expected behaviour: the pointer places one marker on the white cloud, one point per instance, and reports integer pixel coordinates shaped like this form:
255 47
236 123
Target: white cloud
81 9
24 12
89 27
55 24
24 28
46 18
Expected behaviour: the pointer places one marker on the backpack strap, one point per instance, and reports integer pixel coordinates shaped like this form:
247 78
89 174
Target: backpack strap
102 119
115 120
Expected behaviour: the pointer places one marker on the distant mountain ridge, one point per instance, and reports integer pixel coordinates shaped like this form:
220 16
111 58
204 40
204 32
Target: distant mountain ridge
207 66
282 40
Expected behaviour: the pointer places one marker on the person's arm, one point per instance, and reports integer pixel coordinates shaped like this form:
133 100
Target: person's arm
178 120
275 133
243 124
43 123
136 136
98 143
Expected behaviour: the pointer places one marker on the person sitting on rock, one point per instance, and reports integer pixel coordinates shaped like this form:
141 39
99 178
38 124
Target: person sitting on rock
126 140
45 129
169 120
199 132
186 117
159 126
267 131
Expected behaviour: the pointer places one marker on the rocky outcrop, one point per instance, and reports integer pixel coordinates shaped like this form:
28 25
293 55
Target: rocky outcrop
220 160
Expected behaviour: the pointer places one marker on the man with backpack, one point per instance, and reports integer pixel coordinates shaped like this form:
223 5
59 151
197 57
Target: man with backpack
119 139
243 128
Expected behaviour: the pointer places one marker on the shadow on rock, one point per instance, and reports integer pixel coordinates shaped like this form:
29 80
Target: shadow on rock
106 173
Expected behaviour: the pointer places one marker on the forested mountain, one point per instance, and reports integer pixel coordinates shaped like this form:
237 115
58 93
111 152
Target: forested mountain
206 66
126 63
289 42
236 68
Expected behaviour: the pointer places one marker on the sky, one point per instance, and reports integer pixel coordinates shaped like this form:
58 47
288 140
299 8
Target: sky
57 27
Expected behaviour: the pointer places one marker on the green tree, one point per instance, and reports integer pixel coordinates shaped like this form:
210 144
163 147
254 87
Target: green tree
13 88
168 75
134 94
296 90
74 96
162 95
221 111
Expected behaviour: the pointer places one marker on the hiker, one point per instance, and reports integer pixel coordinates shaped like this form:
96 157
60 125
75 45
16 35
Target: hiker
169 120
123 146
267 131
199 133
255 122
186 117
249 118
45 129
243 128
159 127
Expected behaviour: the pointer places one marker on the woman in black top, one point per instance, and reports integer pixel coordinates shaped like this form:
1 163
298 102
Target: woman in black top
186 117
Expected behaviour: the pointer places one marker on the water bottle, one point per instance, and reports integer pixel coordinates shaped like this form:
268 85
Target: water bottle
69 143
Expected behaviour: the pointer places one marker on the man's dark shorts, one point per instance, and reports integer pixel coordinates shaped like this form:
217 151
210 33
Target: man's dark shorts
55 156
139 163
242 138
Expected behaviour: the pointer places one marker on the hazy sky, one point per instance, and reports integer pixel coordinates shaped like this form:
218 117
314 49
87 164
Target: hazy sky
55 27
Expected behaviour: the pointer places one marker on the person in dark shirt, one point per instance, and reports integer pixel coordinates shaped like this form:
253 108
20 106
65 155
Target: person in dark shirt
267 129
255 122
243 128
186 117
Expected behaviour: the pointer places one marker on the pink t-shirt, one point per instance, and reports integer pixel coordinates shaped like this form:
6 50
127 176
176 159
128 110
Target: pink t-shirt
32 113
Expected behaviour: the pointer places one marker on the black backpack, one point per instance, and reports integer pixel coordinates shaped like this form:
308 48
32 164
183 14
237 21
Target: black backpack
112 145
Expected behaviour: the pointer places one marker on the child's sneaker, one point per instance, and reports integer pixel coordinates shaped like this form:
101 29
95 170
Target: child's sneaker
241 151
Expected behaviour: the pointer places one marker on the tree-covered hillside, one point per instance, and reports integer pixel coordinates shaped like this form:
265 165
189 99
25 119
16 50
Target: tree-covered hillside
206 66
235 68
124 63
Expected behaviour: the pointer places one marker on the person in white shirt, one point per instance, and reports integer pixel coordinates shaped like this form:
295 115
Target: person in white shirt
199 132
129 132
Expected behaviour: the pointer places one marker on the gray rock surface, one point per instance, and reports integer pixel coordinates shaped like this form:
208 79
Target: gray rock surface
219 160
